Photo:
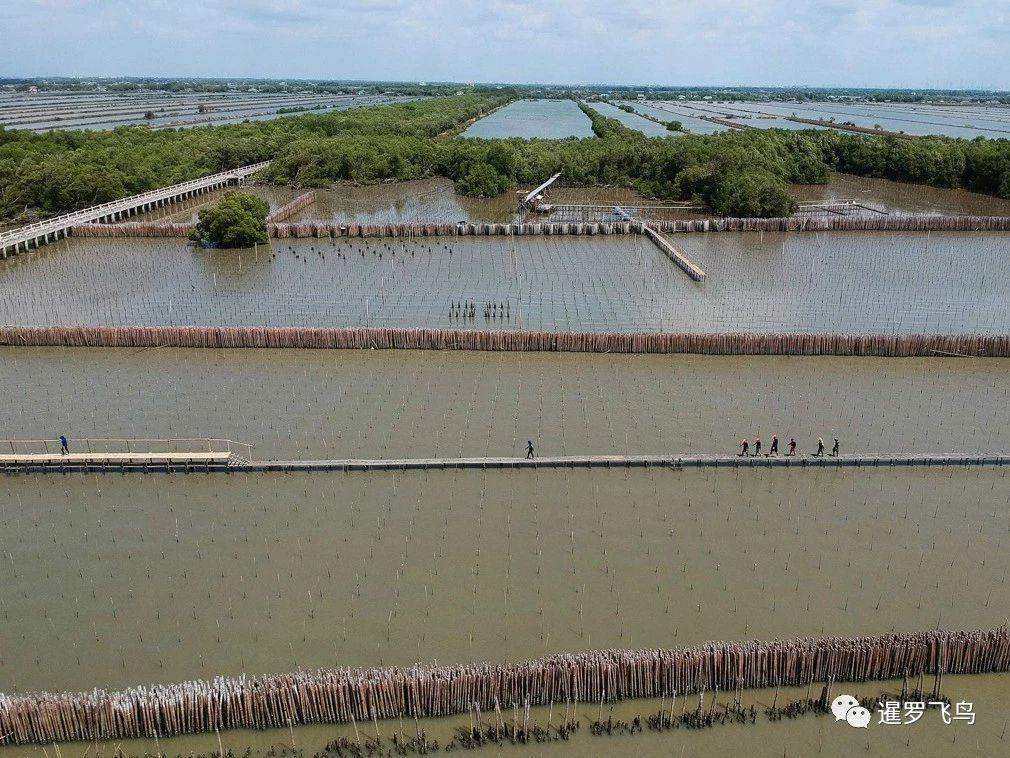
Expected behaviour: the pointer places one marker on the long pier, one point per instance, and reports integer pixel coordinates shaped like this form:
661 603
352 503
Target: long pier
681 260
34 235
225 461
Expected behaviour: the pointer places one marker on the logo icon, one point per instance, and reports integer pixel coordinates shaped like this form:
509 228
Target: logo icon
846 708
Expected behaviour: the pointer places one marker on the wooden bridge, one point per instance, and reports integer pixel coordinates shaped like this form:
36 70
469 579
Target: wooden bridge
205 455
31 236
122 454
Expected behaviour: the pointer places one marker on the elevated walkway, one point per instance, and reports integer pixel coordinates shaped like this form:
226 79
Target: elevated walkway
34 235
123 454
235 457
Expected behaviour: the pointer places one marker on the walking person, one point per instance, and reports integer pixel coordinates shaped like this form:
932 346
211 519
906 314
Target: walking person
757 447
834 448
774 449
792 447
820 448
529 449
744 447
64 446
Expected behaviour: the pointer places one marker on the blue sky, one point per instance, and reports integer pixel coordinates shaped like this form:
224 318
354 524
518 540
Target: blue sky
910 43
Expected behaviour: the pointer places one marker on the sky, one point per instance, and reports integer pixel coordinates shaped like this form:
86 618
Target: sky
857 43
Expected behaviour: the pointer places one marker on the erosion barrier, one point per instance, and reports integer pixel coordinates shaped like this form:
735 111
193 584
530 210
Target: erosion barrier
288 210
870 223
368 694
993 346
132 229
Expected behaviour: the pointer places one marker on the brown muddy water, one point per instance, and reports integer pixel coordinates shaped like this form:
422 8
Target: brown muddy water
809 735
900 197
395 404
434 200
854 282
188 211
116 580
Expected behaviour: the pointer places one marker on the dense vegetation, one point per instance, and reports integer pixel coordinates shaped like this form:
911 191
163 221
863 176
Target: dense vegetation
740 173
237 220
46 174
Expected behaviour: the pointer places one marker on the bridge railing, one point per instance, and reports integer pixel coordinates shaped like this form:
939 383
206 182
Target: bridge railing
142 446
86 214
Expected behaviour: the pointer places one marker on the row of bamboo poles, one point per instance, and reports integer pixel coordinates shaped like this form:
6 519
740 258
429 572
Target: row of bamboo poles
351 695
133 229
288 210
319 228
916 345
874 222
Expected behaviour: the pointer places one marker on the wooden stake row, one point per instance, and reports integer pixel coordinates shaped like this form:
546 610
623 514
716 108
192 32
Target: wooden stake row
995 346
874 222
288 210
133 229
343 695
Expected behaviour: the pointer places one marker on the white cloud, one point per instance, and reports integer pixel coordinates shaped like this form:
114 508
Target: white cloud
831 42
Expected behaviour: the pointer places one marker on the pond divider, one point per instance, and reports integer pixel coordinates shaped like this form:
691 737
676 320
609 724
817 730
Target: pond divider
345 695
364 338
870 222
288 210
681 260
133 229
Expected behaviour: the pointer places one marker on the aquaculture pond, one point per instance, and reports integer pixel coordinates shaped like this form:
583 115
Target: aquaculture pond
633 120
922 120
690 122
855 282
43 113
534 119
314 404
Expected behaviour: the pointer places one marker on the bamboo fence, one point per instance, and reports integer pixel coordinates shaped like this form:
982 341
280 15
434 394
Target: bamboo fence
288 210
916 345
346 694
133 229
868 222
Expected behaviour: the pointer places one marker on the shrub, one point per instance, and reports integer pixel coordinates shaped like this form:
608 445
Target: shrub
482 180
239 220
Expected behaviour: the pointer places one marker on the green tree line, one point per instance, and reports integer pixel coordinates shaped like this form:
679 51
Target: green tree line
740 173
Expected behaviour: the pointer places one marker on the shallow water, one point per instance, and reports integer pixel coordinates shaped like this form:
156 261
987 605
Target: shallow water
855 282
899 197
170 111
668 112
810 735
416 404
112 580
633 121
530 119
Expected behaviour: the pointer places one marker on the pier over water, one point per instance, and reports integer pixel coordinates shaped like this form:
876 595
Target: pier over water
37 234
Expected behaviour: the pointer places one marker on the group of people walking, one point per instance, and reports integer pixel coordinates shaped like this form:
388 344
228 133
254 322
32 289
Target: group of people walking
746 449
